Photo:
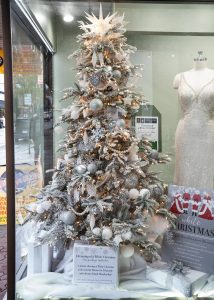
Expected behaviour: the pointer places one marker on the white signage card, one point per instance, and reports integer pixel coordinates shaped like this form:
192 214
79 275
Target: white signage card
95 264
147 127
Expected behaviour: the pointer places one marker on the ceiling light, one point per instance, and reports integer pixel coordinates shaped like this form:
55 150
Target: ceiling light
68 18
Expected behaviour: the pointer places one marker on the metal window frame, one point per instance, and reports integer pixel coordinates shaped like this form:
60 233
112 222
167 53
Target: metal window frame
7 5
35 32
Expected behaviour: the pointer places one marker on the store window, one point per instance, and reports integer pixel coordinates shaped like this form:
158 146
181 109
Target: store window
133 154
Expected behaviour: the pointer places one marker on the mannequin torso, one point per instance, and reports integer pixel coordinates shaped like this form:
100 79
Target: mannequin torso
194 139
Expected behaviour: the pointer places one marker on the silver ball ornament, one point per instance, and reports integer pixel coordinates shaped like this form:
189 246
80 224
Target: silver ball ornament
116 74
108 68
145 193
96 104
81 169
67 217
39 209
106 233
127 251
46 205
134 194
121 123
126 236
92 168
96 231
154 154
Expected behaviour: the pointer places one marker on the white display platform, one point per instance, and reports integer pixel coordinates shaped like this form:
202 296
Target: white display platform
56 286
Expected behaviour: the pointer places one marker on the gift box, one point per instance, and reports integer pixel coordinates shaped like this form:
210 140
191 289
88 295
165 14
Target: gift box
188 283
39 258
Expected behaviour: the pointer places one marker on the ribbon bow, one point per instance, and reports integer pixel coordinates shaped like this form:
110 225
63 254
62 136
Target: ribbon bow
178 267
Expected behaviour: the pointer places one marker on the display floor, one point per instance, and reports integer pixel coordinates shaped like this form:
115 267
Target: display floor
56 286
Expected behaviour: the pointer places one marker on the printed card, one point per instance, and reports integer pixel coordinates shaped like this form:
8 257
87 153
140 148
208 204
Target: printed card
95 264
192 242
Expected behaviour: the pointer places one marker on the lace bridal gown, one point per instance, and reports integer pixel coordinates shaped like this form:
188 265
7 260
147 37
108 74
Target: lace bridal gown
194 138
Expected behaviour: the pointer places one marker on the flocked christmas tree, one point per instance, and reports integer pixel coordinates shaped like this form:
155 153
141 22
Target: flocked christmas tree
101 191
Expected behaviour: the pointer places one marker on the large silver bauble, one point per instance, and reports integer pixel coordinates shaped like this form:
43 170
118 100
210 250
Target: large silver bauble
92 168
121 123
67 217
81 169
116 74
96 104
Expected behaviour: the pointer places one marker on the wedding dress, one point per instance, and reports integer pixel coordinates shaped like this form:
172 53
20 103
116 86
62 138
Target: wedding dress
194 138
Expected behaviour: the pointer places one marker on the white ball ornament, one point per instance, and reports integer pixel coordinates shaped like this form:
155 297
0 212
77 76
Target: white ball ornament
106 233
134 194
127 251
145 193
121 123
92 168
96 231
39 209
81 169
96 104
67 217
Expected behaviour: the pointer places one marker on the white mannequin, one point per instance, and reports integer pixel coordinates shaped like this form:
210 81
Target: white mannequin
194 139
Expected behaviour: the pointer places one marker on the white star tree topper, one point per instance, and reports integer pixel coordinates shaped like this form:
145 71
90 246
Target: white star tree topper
101 26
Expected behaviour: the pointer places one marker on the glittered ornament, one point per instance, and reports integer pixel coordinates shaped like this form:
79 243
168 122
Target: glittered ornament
106 233
157 191
81 169
121 123
134 194
67 217
145 193
126 236
116 74
40 209
96 231
96 104
127 251
131 181
95 79
92 168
